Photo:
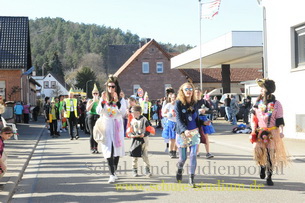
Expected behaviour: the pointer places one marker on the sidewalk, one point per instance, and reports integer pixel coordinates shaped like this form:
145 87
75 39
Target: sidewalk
19 153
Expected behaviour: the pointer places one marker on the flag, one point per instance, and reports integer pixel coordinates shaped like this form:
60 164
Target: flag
28 72
210 9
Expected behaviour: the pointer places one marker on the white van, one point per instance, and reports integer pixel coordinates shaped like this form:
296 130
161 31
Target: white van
239 97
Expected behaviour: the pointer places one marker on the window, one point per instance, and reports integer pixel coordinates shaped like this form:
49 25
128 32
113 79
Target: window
159 67
46 84
53 84
299 44
145 67
135 89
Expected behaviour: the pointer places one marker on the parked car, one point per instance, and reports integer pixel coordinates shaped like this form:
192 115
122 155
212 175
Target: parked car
239 115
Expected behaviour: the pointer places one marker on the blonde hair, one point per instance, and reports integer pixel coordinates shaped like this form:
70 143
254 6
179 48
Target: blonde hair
181 95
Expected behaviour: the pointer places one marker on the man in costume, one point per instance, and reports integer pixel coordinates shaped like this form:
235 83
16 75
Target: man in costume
70 108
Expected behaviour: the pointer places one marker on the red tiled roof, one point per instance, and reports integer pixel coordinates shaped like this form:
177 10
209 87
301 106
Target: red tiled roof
210 75
139 52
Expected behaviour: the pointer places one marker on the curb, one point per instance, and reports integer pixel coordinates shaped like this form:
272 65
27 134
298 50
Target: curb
11 185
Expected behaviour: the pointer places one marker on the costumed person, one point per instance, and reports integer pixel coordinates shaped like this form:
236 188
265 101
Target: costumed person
132 101
46 105
187 129
109 128
140 138
70 108
146 107
203 104
267 125
169 132
53 115
92 117
61 125
169 92
6 133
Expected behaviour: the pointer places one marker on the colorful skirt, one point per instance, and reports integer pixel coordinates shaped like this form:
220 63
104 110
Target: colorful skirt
207 129
169 130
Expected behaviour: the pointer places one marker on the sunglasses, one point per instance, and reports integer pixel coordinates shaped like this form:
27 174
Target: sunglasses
188 89
95 93
111 86
8 133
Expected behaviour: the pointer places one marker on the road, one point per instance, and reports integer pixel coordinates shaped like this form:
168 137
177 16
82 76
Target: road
62 170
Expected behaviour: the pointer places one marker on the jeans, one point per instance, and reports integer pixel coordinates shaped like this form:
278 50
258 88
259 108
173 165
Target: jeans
228 112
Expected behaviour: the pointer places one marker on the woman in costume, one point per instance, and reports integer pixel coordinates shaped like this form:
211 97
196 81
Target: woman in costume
187 129
169 132
267 124
109 128
92 117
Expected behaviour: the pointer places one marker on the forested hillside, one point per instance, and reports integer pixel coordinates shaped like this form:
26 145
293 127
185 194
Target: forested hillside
64 47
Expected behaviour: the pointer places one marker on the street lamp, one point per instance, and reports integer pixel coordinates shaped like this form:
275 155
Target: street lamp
87 87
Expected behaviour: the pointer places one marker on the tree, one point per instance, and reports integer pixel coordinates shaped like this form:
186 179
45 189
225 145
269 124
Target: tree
83 76
56 65
57 91
14 90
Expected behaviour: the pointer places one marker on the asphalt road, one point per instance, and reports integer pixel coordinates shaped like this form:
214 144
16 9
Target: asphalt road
62 170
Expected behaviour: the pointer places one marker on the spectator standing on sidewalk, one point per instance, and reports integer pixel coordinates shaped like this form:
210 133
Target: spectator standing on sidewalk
70 108
6 133
2 106
92 118
227 103
247 106
26 113
234 109
267 125
18 109
109 128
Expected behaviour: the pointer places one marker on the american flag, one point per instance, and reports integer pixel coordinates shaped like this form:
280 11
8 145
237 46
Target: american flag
210 9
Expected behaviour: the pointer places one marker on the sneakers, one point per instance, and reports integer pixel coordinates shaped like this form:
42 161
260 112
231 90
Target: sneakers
64 130
147 172
76 137
115 176
209 156
60 131
134 172
111 179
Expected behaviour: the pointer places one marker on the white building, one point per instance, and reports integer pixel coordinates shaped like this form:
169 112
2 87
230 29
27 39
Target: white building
285 23
51 86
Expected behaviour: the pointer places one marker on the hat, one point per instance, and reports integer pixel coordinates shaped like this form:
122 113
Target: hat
71 90
268 84
53 100
146 95
95 90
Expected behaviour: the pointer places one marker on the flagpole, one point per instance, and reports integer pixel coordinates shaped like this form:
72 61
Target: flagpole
200 56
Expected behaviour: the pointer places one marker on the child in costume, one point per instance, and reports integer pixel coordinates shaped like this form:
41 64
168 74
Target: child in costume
169 132
139 134
6 133
53 115
267 125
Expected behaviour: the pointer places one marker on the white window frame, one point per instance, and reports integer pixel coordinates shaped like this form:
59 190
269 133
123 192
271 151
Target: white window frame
145 67
135 89
46 84
299 32
53 86
159 63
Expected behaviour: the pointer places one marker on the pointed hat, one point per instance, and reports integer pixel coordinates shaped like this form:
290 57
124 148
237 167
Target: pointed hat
71 90
53 100
95 90
145 95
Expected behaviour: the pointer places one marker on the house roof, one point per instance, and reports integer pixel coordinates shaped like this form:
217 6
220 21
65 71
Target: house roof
61 81
15 51
139 52
118 55
213 75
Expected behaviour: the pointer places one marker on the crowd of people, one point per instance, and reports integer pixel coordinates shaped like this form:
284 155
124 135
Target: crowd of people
185 119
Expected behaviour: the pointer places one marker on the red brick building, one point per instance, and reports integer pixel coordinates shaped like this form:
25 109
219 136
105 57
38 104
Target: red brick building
149 68
15 59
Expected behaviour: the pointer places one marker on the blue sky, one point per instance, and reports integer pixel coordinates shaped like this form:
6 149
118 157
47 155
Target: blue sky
173 21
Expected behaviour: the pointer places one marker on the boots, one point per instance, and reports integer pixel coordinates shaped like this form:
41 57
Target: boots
179 175
171 154
262 174
174 154
269 180
191 181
